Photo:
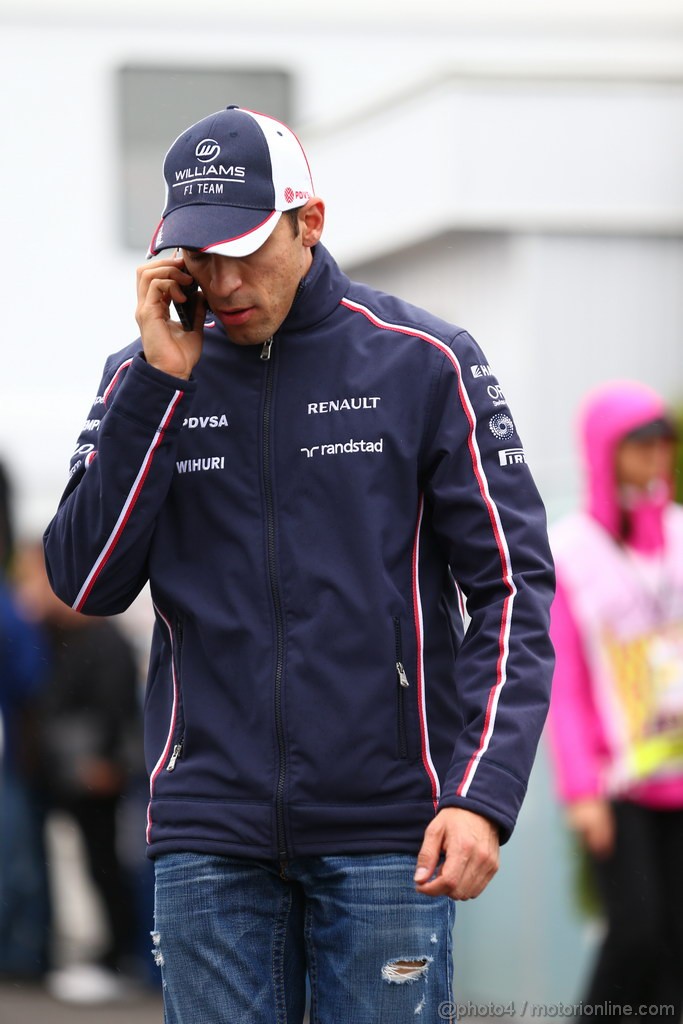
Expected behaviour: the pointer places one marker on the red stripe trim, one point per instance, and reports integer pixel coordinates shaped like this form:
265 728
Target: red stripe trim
417 616
152 245
129 505
492 699
169 739
112 382
506 569
461 601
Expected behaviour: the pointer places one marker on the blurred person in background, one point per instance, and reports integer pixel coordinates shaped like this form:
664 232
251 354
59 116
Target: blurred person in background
303 476
6 521
24 890
86 746
616 717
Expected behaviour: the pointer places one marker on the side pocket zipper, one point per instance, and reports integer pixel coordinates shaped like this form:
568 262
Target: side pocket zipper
177 751
403 685
180 724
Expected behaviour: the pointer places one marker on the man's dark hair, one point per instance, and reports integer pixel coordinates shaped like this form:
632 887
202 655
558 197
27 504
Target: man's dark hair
293 218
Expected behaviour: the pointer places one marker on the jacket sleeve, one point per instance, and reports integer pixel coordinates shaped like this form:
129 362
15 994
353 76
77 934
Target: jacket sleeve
97 545
576 741
490 520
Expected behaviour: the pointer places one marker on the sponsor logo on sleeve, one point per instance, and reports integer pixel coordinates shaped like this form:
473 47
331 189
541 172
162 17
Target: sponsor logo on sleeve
481 370
511 456
501 426
495 393
84 449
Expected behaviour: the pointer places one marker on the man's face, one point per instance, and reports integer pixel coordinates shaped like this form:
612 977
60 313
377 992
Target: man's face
252 295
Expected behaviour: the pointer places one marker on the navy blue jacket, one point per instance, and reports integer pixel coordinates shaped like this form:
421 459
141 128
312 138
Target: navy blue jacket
312 526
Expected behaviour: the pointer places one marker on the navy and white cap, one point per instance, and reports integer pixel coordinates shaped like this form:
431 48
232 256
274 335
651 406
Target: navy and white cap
228 179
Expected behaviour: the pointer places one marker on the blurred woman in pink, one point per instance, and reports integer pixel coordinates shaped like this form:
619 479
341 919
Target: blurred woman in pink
616 718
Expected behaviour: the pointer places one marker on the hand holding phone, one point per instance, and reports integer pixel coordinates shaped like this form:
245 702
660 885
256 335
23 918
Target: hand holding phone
186 310
170 346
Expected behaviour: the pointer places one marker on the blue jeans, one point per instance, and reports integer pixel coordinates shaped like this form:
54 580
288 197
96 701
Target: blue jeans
236 940
25 916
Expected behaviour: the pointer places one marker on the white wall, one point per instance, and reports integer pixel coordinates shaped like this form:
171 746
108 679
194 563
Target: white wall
537 149
491 15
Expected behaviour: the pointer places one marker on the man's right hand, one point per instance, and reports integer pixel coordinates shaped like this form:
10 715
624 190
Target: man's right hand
166 345
593 820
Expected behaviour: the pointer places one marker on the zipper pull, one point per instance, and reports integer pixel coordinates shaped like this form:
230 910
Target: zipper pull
177 751
267 345
402 677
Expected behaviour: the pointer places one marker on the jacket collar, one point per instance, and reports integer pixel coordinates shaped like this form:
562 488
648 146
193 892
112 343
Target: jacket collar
318 295
319 292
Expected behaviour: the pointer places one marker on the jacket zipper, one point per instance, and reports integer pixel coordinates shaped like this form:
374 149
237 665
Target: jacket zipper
177 751
277 602
403 685
178 747
267 345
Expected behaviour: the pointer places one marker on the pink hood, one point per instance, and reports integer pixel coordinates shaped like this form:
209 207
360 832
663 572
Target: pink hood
609 413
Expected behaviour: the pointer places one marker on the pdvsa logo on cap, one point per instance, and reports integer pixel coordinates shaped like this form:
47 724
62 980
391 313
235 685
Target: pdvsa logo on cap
291 195
207 150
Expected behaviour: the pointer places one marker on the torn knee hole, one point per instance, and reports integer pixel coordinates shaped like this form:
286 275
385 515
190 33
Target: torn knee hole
401 971
156 951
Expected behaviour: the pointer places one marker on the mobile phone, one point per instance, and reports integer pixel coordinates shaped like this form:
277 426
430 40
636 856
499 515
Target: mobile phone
186 310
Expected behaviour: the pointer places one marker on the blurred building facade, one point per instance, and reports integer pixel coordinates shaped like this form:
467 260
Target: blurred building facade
516 167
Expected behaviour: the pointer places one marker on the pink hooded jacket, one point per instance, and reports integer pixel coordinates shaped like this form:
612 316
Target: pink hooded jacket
599 590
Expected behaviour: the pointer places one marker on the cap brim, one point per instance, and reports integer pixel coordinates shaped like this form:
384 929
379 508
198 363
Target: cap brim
224 230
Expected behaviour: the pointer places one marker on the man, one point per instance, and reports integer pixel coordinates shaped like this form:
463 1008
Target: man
316 480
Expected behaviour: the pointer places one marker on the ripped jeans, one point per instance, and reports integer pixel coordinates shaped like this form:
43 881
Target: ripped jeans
237 939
